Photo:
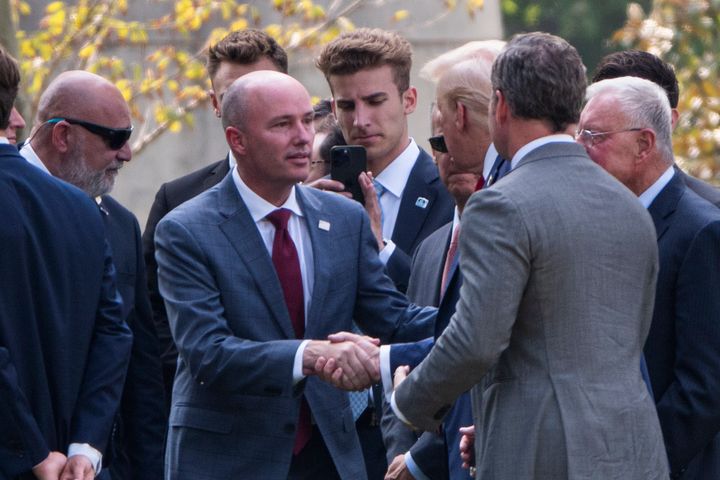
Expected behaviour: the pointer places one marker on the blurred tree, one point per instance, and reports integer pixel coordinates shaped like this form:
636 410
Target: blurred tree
686 34
586 24
149 55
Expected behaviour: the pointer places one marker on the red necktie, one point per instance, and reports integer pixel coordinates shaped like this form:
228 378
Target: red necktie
480 183
449 259
287 265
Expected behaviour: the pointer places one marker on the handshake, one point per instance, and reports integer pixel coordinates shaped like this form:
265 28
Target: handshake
346 360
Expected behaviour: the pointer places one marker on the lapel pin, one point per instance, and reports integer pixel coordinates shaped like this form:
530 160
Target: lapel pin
422 202
324 225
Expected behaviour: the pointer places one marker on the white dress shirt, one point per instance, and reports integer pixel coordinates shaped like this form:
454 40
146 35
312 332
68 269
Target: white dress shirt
649 195
490 157
393 179
259 209
537 143
4 140
29 154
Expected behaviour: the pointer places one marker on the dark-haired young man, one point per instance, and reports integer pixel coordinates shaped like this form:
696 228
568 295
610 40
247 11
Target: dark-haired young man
368 71
237 54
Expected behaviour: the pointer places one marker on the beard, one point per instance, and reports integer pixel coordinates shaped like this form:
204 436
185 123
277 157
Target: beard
75 170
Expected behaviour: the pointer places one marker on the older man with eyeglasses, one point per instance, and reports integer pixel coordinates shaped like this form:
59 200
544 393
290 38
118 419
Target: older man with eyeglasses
81 136
626 128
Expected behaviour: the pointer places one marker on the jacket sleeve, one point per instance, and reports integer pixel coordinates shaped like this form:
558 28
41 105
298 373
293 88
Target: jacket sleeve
22 445
106 367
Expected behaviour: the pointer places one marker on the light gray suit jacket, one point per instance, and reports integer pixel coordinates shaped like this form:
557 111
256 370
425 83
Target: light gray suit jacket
234 407
560 264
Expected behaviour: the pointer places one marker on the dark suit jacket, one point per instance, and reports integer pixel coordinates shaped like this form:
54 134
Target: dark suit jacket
235 407
138 437
683 346
702 189
415 223
169 196
63 345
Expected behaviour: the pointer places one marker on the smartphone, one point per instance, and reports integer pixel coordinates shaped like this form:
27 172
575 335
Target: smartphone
346 164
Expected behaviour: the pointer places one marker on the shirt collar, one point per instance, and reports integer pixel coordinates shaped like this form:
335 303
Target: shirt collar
490 157
259 207
29 154
4 140
537 143
395 175
231 160
649 195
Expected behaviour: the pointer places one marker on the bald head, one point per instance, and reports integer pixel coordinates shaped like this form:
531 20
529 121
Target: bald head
255 88
86 142
99 97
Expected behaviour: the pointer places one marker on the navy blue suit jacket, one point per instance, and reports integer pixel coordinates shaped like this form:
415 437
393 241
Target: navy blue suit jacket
683 346
139 435
415 222
63 345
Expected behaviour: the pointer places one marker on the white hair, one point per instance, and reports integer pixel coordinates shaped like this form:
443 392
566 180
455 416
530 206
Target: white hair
485 50
644 103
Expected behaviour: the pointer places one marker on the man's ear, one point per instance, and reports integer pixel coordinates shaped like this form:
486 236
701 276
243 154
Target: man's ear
409 99
502 110
461 116
215 103
646 141
674 116
236 140
60 136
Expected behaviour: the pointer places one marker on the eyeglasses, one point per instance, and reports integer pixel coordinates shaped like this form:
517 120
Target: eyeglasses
590 138
115 138
438 144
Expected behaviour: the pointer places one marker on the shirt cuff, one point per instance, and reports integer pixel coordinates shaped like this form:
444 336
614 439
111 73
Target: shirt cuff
414 469
88 451
298 364
387 252
385 373
397 411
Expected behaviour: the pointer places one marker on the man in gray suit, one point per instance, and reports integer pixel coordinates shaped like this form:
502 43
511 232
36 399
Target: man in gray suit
559 264
247 294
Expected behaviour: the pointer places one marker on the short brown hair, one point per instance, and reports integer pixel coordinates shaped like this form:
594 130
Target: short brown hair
246 47
9 83
367 48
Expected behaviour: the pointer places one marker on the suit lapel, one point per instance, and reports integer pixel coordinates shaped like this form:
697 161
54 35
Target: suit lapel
410 216
216 175
243 235
664 205
321 245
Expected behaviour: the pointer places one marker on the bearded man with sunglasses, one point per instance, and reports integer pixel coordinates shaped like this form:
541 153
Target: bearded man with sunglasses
85 143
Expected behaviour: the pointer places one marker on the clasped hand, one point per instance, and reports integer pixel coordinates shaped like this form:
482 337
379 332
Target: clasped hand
346 360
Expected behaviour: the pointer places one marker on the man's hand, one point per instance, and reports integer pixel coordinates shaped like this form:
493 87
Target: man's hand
467 447
345 364
329 186
398 470
372 206
78 467
51 467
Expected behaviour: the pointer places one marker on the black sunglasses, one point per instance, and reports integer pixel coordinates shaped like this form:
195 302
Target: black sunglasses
437 143
115 138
